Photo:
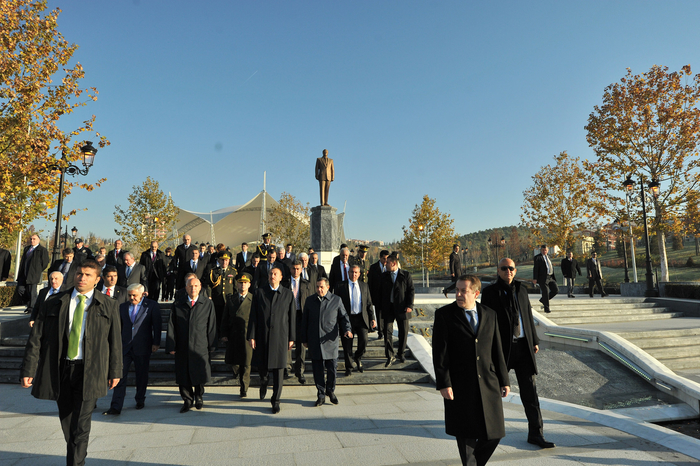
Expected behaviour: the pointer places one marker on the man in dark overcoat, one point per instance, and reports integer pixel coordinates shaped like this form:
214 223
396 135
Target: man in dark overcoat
595 275
374 279
191 336
63 365
570 268
543 275
153 260
35 259
470 372
323 321
508 297
234 327
5 260
358 304
301 289
397 294
271 332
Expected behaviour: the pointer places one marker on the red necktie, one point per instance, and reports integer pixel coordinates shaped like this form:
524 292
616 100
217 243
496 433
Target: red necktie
192 303
108 292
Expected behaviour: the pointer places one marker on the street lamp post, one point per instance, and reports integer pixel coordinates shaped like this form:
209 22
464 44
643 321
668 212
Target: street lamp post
88 159
503 244
422 255
621 227
488 249
654 187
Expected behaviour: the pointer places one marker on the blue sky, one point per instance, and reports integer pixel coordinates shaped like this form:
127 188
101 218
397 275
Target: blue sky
463 100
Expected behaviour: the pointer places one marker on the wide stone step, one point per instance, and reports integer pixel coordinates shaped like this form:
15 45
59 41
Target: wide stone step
665 342
609 312
682 363
688 351
662 334
602 304
603 319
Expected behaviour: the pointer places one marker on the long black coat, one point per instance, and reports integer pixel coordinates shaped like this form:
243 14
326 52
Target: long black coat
404 293
273 325
539 269
322 323
156 267
570 268
497 297
145 331
31 269
374 280
474 367
234 326
48 344
5 260
192 335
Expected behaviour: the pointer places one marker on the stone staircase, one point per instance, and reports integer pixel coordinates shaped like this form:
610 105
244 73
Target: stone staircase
584 310
162 365
677 349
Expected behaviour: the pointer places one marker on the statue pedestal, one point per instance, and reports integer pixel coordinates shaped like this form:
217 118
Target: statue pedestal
325 236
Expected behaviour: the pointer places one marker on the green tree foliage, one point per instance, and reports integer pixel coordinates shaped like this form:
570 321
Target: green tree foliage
599 241
649 126
289 223
563 199
437 236
149 217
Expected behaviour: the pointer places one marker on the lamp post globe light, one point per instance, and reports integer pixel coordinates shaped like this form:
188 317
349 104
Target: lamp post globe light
654 187
64 167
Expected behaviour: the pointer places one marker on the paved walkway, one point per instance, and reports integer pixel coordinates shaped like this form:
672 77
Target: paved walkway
373 424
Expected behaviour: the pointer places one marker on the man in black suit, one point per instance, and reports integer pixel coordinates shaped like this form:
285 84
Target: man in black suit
141 326
183 254
283 258
313 264
262 272
302 289
357 301
34 260
5 260
340 269
152 260
308 273
397 294
68 266
250 269
131 272
570 268
108 285
193 265
470 373
55 282
116 255
243 258
508 297
595 275
374 279
455 263
69 368
271 332
323 321
543 275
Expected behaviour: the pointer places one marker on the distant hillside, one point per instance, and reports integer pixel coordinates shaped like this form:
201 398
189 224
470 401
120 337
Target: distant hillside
519 243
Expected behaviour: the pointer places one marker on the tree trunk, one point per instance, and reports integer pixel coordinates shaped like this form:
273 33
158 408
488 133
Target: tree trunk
663 261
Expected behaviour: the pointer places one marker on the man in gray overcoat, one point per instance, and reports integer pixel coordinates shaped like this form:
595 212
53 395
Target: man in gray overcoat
191 336
271 331
323 321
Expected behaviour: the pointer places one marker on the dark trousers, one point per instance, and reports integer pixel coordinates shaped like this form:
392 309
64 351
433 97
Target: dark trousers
277 381
569 281
380 322
325 385
189 392
357 324
243 373
169 287
28 293
595 281
476 452
402 326
75 413
141 367
521 361
300 349
549 289
153 287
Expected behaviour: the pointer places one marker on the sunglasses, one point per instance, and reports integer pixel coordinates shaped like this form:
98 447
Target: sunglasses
507 267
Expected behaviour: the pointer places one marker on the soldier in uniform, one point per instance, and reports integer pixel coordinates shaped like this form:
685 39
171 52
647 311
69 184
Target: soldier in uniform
233 331
361 260
264 249
221 281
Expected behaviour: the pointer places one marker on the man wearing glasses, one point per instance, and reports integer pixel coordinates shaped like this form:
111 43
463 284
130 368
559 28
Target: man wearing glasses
519 340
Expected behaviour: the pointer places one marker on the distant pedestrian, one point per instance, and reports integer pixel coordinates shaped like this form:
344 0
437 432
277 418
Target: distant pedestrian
570 268
595 275
543 275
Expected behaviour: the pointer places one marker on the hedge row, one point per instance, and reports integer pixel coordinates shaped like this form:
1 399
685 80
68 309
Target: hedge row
677 290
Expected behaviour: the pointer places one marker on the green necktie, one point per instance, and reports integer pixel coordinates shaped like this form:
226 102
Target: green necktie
75 329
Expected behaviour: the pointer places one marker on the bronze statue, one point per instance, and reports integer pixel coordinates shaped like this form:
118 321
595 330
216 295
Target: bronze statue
324 174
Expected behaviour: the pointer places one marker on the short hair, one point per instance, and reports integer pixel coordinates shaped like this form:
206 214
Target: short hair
190 275
109 269
168 249
323 279
345 249
220 247
99 256
56 272
91 264
297 262
302 255
289 244
473 279
355 266
383 253
455 245
276 266
135 286
280 249
392 258
543 246
256 255
67 251
127 253
244 244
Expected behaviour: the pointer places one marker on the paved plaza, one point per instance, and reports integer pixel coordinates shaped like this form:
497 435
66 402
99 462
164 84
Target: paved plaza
372 425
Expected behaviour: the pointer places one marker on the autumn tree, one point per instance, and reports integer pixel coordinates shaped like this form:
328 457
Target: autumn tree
690 219
437 233
38 87
648 126
150 216
289 222
563 199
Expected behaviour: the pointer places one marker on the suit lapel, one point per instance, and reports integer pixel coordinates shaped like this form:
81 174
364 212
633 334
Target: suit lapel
461 316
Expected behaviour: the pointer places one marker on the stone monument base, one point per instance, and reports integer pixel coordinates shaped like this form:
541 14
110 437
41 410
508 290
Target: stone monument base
325 235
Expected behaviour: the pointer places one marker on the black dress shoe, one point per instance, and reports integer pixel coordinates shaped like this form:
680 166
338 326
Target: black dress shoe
360 367
244 393
540 442
186 407
333 398
198 402
111 412
402 358
286 374
320 400
302 379
275 407
348 372
390 361
380 335
263 391
547 311
140 405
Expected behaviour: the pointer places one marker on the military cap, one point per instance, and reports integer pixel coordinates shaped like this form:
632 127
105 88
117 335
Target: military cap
224 255
244 278
364 248
78 240
266 235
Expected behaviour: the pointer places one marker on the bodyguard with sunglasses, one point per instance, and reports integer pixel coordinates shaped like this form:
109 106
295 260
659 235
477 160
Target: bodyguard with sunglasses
508 297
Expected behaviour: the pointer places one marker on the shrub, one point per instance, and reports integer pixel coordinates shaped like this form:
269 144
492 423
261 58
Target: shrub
684 291
8 296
